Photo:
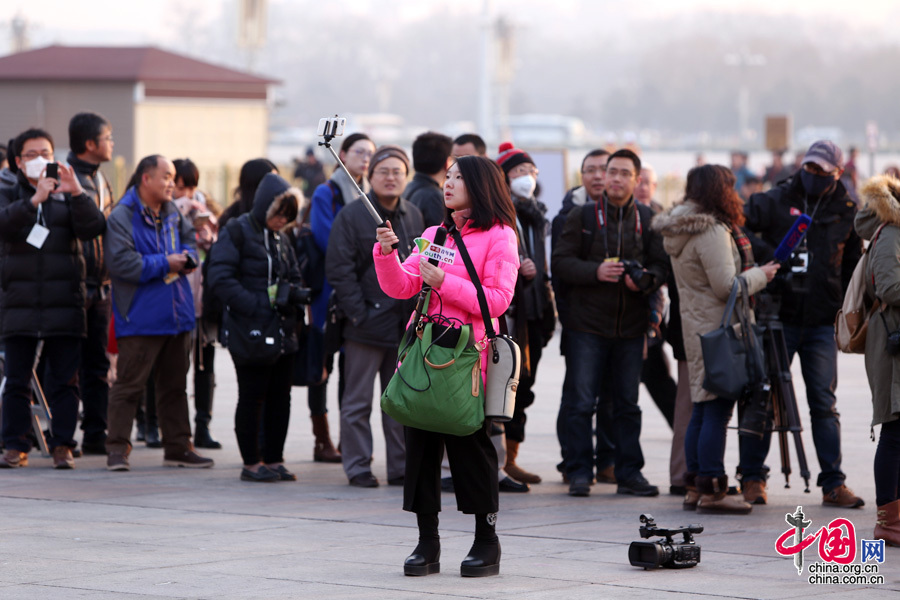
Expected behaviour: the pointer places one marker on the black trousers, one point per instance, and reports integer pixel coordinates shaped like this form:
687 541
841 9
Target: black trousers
515 428
268 385
94 374
204 381
473 465
59 381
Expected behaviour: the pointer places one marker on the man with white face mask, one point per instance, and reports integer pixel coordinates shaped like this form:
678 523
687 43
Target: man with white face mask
532 310
43 299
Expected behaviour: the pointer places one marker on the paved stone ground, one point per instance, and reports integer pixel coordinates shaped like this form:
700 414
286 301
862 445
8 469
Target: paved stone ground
175 533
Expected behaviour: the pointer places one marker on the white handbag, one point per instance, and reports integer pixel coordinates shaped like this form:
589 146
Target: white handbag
504 355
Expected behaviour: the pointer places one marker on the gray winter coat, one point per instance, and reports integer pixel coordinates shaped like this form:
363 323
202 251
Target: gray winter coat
373 317
881 198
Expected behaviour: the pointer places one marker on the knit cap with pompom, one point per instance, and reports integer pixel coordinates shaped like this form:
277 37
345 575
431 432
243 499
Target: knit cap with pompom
511 157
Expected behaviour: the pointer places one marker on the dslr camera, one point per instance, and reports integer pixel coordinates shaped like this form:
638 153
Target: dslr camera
667 553
292 296
639 276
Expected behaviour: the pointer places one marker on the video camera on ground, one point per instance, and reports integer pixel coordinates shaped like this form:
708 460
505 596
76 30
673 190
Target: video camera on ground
667 553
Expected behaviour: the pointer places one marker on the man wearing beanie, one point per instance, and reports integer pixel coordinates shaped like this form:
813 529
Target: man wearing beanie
375 322
532 311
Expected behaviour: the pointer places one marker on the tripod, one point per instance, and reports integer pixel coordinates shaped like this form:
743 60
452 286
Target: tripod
785 417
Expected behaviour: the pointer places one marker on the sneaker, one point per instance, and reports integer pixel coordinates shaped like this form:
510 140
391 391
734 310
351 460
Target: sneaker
188 459
754 491
580 487
364 480
637 486
116 461
842 497
62 458
13 459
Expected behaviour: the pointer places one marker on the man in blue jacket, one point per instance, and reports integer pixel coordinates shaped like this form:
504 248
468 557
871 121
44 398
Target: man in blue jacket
149 248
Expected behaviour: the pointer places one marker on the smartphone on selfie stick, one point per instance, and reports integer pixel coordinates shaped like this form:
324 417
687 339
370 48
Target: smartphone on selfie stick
330 128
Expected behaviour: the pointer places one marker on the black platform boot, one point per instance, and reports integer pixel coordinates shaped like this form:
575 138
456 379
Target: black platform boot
425 559
484 556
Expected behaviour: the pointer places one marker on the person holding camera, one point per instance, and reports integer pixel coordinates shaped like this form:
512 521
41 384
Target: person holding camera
482 211
709 250
253 271
879 222
43 219
612 261
150 248
811 288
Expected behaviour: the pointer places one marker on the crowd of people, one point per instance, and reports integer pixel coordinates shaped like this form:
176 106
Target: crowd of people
294 284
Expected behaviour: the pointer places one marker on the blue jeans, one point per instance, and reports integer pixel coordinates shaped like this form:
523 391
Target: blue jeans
611 369
818 363
704 440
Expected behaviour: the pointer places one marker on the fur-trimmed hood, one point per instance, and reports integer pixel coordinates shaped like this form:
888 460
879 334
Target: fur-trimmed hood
271 196
881 204
680 223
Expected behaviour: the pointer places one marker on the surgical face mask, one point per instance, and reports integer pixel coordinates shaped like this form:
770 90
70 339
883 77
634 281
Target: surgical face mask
35 166
523 186
816 185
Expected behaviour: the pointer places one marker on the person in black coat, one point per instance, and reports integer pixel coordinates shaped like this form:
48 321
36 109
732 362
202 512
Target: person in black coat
42 222
253 271
375 322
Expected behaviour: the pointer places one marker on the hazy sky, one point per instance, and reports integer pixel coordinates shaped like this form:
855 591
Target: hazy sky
150 21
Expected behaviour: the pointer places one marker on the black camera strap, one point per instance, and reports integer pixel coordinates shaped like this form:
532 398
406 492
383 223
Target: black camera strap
473 275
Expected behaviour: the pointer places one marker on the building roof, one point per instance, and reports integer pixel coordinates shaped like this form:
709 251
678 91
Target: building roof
109 63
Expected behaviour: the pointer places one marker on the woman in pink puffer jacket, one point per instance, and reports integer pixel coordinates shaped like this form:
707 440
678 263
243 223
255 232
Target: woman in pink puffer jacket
475 189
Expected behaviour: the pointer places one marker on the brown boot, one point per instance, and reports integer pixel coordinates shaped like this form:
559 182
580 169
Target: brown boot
692 496
887 527
512 469
754 491
324 450
714 498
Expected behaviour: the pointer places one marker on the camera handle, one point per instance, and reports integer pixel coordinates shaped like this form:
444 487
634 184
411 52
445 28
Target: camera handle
379 222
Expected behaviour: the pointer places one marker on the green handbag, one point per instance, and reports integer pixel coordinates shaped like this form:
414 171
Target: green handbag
437 388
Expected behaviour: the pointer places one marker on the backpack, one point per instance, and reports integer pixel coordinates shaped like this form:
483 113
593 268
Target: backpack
852 321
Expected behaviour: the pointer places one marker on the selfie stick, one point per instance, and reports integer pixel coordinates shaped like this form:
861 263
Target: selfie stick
379 222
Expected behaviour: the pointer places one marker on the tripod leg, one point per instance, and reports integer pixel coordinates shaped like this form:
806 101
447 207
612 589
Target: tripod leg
39 408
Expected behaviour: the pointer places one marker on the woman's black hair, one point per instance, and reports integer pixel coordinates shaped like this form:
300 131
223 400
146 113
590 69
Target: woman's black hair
146 164
487 191
352 139
251 174
187 171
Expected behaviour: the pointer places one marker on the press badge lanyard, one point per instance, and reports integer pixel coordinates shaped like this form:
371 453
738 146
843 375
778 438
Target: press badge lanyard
39 232
601 224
